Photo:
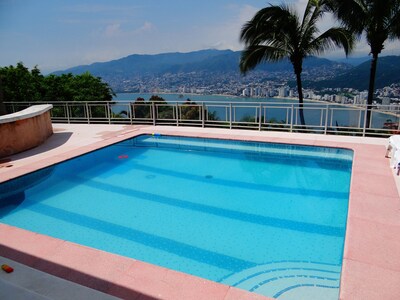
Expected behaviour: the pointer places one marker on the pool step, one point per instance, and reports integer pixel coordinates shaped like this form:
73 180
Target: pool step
296 278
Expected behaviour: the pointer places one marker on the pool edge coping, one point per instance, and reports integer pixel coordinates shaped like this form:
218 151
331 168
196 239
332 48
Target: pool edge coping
349 256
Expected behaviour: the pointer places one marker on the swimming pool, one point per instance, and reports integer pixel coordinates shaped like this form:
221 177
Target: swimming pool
263 217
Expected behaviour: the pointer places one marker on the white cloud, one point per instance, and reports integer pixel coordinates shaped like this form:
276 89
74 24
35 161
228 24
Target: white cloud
116 31
113 30
392 48
226 35
147 26
246 13
363 49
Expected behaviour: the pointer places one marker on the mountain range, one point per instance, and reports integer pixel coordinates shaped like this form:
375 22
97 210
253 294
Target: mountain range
318 72
197 61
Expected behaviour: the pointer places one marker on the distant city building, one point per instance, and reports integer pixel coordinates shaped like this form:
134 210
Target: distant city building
364 95
386 101
283 91
386 91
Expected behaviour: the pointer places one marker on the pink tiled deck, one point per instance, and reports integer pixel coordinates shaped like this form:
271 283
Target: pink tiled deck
371 266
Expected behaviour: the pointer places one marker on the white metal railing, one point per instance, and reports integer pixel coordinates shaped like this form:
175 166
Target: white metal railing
325 118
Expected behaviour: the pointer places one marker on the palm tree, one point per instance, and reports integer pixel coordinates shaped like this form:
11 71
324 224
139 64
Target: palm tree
276 33
379 20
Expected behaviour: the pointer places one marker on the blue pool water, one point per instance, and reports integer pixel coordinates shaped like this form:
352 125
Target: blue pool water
269 218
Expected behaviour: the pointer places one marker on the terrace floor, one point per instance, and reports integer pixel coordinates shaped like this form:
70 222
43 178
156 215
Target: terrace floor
371 266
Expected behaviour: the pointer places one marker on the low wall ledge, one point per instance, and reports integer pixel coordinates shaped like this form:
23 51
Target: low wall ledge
29 112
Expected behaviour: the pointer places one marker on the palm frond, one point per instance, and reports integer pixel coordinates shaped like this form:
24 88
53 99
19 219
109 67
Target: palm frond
254 55
314 11
395 29
394 25
267 25
332 38
353 14
312 14
275 32
308 11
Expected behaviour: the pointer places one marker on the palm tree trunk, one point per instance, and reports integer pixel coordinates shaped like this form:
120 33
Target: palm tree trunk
300 92
3 110
371 88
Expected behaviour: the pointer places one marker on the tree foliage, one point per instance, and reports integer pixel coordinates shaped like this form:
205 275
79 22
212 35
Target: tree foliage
188 110
19 84
277 32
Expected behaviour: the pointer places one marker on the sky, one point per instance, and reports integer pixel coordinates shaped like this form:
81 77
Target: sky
58 34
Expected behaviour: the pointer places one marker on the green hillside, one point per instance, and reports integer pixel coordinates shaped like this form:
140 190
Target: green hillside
388 72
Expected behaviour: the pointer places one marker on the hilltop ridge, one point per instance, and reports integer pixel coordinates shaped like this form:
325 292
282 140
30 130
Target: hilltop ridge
203 60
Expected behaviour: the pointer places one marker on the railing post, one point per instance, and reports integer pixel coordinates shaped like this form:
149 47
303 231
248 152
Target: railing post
365 120
176 112
203 114
109 113
322 117
259 117
87 112
291 118
67 111
326 119
230 115
131 112
153 108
